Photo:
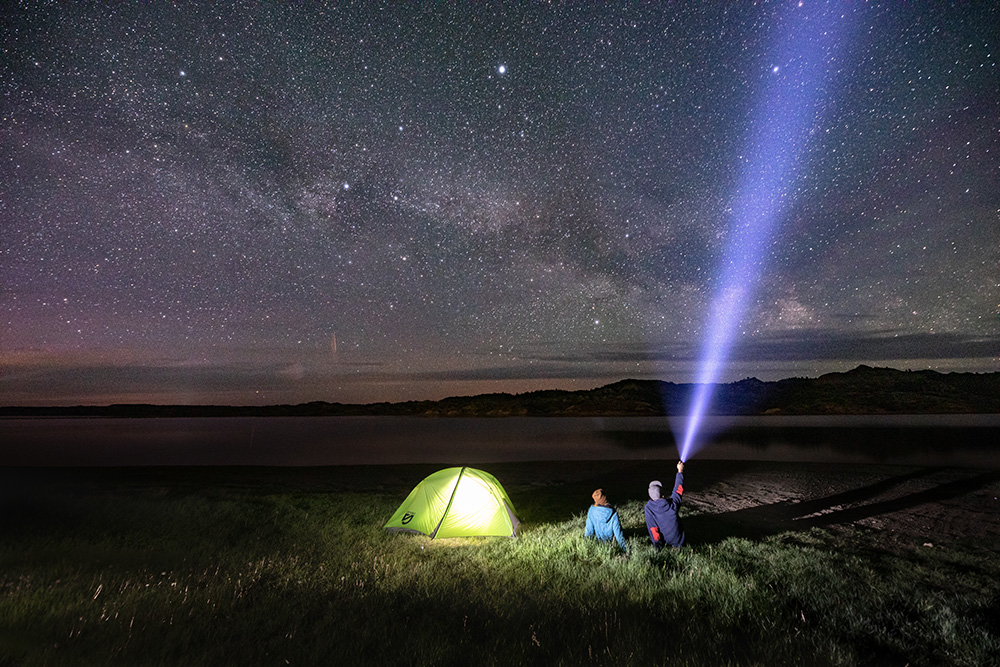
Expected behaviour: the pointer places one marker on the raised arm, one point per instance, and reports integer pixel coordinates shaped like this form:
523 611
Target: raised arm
678 491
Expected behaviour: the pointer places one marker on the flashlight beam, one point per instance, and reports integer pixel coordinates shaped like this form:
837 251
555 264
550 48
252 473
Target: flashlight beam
778 135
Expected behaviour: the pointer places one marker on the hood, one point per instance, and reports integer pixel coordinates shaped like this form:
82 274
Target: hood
607 510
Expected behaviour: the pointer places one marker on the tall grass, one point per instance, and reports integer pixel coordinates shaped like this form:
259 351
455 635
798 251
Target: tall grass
209 576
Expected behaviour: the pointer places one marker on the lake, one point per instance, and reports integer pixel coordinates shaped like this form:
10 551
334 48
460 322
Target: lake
948 440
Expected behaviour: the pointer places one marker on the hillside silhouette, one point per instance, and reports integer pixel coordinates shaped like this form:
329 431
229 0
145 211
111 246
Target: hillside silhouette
861 391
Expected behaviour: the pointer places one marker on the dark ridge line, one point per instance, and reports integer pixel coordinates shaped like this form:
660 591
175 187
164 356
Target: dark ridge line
861 391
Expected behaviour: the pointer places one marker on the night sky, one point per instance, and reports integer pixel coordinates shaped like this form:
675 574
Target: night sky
279 203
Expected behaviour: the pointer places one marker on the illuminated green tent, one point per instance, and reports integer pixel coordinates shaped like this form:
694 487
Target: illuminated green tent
456 502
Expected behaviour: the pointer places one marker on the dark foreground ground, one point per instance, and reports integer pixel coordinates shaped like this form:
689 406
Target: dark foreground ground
788 563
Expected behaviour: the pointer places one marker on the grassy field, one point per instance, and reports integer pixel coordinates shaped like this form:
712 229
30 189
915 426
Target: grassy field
292 566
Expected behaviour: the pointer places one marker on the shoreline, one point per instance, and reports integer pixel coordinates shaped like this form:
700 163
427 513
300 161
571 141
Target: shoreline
895 504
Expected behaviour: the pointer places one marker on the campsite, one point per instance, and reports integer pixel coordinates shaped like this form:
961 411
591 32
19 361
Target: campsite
788 563
499 333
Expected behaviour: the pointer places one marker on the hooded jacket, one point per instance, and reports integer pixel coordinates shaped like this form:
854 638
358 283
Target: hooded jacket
603 523
664 525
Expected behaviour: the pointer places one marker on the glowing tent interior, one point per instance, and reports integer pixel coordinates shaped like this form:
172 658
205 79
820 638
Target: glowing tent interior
457 502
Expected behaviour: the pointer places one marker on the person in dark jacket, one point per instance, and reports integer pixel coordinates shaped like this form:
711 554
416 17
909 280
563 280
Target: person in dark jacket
603 522
662 521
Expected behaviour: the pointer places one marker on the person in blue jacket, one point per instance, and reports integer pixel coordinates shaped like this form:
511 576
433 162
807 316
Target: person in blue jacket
662 521
603 522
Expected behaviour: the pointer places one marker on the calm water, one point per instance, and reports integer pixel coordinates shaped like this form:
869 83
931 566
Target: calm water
954 440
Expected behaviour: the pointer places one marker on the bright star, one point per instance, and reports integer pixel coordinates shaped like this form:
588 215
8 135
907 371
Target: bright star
502 69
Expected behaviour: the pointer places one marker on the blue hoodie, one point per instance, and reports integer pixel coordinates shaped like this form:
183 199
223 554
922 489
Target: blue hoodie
603 523
664 525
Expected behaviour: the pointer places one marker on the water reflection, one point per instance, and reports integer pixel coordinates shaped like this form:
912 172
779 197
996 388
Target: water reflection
963 440
969 440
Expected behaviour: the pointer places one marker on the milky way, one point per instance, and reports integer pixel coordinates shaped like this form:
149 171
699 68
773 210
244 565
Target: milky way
282 203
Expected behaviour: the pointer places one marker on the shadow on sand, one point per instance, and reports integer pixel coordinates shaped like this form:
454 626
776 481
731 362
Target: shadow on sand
841 508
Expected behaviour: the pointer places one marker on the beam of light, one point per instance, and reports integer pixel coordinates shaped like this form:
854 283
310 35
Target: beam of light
778 134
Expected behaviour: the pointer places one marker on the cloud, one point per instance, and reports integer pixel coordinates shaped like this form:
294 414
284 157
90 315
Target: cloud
841 346
800 345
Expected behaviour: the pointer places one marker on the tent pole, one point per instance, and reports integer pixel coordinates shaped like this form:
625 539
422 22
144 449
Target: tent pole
450 501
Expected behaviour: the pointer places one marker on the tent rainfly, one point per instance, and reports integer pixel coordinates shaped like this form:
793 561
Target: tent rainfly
456 502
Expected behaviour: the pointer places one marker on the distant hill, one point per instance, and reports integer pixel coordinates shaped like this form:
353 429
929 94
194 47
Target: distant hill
864 390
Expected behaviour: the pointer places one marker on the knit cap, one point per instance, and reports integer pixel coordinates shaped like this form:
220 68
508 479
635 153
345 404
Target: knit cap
599 497
655 490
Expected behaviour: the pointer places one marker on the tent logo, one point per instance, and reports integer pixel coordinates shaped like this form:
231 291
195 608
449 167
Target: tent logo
407 518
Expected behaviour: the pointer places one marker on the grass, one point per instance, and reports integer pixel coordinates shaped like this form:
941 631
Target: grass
166 571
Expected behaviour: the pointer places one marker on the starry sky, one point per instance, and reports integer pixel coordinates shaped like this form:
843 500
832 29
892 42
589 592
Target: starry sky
356 202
